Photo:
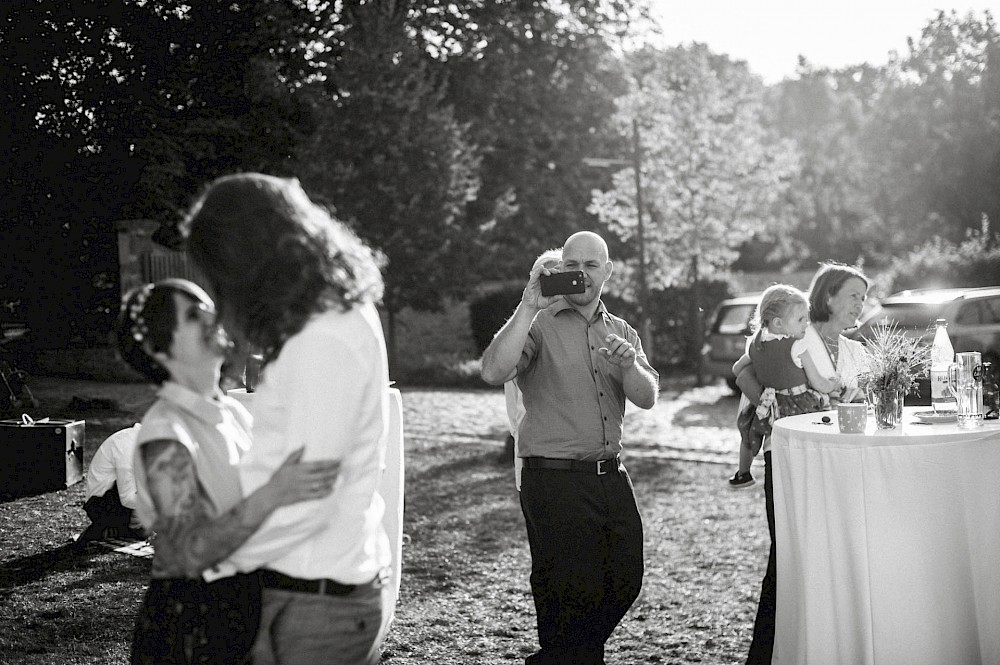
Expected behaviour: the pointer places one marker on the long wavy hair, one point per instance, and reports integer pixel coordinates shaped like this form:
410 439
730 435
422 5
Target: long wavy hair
273 258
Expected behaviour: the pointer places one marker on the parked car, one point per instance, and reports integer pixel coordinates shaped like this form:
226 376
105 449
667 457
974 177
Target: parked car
726 338
973 316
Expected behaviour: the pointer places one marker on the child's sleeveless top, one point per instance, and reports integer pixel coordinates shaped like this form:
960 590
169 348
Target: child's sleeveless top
773 364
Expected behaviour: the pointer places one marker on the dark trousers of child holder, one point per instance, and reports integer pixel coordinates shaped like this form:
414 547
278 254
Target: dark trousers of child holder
763 626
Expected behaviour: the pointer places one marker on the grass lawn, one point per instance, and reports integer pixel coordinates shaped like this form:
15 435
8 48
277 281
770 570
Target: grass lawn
465 597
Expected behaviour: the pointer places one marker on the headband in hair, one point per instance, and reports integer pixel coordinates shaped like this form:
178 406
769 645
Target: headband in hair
139 329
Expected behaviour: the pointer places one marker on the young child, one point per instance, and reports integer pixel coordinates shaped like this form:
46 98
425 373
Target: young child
791 382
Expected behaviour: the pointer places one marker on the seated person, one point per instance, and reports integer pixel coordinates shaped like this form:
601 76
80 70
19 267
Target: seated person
111 491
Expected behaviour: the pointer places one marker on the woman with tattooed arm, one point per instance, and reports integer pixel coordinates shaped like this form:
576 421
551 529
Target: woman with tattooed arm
189 492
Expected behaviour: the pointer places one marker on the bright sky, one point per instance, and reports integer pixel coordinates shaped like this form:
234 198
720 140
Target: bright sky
771 34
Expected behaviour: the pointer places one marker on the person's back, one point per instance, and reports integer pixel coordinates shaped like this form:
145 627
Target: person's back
110 498
347 542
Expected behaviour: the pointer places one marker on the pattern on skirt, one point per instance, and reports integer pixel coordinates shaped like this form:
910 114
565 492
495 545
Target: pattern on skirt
193 621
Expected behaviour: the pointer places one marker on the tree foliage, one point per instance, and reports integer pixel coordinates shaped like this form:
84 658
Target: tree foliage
934 135
453 137
119 109
940 263
711 176
404 180
895 155
536 85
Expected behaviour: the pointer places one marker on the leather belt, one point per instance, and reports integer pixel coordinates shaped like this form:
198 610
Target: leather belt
272 579
598 467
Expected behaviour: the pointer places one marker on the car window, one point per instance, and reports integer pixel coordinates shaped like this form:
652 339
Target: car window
733 319
970 313
915 316
991 311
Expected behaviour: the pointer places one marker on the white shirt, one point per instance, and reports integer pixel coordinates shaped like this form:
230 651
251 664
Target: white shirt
327 391
112 463
215 431
850 360
515 414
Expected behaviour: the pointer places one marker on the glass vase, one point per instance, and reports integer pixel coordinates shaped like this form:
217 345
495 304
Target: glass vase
888 405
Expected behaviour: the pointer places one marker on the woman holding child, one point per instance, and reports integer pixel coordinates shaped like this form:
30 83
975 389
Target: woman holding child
836 298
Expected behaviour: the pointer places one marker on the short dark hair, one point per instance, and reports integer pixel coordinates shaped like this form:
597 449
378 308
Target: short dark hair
146 324
826 283
273 258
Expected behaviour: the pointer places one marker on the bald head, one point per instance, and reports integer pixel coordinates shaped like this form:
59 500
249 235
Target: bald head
587 242
588 252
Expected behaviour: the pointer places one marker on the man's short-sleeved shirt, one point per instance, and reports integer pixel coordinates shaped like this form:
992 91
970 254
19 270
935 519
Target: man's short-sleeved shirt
574 399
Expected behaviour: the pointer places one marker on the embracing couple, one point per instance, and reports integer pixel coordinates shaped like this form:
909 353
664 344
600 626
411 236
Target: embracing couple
273 551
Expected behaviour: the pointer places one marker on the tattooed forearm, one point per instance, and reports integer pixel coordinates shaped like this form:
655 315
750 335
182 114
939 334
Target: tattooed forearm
188 538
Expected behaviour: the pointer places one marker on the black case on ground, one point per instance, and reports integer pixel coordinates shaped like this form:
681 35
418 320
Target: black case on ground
40 456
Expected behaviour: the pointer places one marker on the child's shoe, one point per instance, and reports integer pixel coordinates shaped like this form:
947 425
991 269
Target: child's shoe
741 480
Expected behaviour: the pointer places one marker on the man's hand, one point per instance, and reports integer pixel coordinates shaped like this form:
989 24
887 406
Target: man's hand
618 351
532 295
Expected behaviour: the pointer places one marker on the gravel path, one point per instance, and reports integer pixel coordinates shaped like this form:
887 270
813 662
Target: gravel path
688 423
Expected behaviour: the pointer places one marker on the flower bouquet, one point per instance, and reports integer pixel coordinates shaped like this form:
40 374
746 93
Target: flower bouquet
893 365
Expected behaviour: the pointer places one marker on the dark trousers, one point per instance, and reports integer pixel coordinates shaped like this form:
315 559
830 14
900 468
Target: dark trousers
107 510
188 621
763 626
585 535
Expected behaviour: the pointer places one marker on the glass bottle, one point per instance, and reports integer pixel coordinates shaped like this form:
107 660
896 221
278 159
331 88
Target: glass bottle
942 356
991 393
251 375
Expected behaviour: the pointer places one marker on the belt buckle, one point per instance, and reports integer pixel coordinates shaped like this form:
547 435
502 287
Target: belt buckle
600 467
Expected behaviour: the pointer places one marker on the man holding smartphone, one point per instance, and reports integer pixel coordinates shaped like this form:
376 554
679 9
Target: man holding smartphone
575 364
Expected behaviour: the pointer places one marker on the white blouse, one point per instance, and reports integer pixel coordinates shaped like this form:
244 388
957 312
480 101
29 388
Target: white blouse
850 361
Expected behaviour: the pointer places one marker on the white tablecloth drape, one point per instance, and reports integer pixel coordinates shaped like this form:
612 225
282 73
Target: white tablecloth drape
888 544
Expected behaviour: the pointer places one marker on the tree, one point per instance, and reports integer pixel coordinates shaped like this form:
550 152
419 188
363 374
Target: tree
825 114
934 138
711 176
403 180
535 83
119 109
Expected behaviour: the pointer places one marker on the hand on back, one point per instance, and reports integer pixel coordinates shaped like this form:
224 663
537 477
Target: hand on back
296 480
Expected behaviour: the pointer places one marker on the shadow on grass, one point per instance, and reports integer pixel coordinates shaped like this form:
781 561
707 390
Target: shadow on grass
68 558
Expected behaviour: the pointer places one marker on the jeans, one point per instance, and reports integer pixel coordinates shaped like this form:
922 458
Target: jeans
312 629
585 535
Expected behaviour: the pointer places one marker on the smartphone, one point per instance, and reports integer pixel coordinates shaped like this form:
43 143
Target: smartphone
561 283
